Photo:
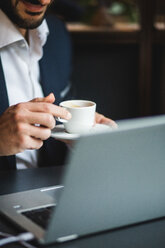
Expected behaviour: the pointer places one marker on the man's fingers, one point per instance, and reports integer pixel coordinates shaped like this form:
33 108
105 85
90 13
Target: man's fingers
33 137
43 119
99 118
62 113
50 99
33 143
45 107
39 132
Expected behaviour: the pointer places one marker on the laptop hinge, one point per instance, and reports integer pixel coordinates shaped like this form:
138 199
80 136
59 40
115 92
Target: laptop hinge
67 238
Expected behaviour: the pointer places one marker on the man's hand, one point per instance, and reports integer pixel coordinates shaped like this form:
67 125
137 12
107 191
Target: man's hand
101 119
26 125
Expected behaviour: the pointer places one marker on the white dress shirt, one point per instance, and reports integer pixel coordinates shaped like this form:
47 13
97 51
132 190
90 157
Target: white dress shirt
20 62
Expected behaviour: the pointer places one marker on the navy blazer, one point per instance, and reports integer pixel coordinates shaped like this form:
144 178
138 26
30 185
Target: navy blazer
55 69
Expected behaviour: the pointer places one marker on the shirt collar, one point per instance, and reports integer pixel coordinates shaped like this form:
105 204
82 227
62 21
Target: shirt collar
42 32
10 34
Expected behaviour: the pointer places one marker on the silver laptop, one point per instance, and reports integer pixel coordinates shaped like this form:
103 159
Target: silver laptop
112 179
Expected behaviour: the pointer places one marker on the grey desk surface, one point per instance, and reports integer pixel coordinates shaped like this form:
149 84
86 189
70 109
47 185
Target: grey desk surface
151 234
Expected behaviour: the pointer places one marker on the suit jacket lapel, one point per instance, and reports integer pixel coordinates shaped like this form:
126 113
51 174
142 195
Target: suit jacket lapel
49 76
56 63
4 103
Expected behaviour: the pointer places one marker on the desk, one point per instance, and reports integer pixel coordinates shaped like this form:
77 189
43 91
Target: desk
151 234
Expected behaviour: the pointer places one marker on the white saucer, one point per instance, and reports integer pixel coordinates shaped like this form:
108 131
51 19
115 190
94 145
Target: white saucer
59 132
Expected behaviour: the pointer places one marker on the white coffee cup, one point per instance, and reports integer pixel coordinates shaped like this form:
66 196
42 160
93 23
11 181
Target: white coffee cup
83 116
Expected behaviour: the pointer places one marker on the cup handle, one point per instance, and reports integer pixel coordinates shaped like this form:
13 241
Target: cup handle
61 120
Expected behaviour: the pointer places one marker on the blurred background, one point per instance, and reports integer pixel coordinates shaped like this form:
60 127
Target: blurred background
118 54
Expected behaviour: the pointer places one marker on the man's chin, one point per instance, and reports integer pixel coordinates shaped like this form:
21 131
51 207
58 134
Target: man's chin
30 23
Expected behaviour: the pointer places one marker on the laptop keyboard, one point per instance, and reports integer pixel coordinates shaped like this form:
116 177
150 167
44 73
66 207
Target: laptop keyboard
40 216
